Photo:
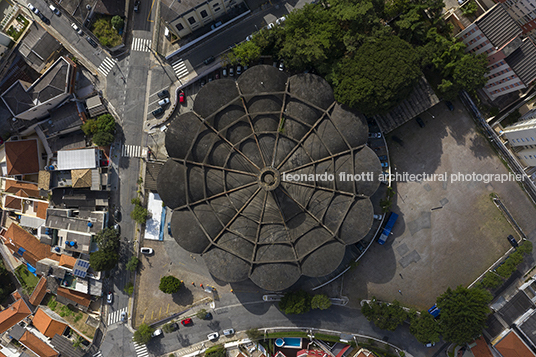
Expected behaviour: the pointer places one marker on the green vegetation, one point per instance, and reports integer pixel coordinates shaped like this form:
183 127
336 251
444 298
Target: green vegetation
371 66
463 313
321 302
13 32
425 328
170 285
105 32
387 202
102 129
491 280
27 279
167 327
384 316
253 334
143 334
470 8
133 263
511 263
6 283
295 302
129 288
201 314
106 257
117 22
139 214
216 351
77 341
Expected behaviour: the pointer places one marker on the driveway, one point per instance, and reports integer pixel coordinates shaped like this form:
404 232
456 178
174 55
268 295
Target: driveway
448 233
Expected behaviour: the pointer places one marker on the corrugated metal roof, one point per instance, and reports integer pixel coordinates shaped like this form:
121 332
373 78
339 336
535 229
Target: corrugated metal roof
77 159
498 26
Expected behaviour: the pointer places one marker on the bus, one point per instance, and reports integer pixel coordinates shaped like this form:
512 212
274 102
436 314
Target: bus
388 227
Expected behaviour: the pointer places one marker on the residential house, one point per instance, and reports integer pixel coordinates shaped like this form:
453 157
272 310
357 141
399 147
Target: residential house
512 345
14 314
36 345
25 246
511 56
39 292
72 297
24 202
21 159
39 48
95 107
47 325
480 348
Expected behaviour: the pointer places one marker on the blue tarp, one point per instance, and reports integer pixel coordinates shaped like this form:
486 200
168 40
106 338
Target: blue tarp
162 224
21 251
31 269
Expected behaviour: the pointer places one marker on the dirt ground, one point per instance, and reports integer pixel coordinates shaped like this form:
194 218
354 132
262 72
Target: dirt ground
447 233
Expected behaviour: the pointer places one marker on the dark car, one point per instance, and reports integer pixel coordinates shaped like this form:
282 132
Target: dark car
174 326
169 228
209 60
44 18
512 241
117 215
158 111
208 316
383 158
420 122
186 322
137 5
91 42
449 105
163 94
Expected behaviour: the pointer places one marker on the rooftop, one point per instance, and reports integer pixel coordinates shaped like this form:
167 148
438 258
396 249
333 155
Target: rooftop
39 292
63 118
79 198
15 313
528 327
512 346
22 157
28 246
37 346
515 307
47 325
78 159
38 46
498 26
225 178
176 8
75 296
523 61
85 222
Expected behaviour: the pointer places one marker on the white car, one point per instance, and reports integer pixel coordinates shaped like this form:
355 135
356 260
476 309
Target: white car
34 10
146 251
54 10
249 38
280 20
156 332
271 25
228 332
163 102
77 29
213 336
378 216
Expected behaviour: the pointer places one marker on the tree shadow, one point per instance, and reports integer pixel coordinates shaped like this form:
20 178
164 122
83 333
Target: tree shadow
183 297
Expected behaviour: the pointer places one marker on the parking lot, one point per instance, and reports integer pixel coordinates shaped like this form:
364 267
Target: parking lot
448 233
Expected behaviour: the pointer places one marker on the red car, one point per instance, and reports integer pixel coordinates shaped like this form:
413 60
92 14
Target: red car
187 321
181 97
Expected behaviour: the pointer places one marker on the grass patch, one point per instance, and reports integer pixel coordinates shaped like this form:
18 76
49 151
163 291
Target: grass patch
103 29
73 316
13 32
27 279
286 334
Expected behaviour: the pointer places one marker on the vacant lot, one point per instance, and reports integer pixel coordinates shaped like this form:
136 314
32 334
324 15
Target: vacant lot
448 233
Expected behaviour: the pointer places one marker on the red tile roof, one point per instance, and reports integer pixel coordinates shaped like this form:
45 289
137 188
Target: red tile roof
35 344
13 315
78 297
481 349
13 203
513 346
47 325
41 209
22 157
67 261
39 292
16 238
25 189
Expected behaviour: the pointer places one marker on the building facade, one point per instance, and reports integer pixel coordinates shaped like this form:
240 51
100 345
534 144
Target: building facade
524 13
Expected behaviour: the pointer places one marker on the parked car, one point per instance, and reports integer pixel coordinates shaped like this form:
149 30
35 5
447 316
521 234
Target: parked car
248 38
384 164
271 25
213 336
281 66
124 316
449 105
91 42
146 251
209 60
217 24
238 70
432 344
34 10
208 316
280 20
512 241
420 122
383 158
163 94
174 326
228 332
169 228
44 18
186 322
76 29
110 298
157 332
54 10
164 102
158 111
224 72
181 97
117 215
137 5
117 227
231 71
378 217
375 135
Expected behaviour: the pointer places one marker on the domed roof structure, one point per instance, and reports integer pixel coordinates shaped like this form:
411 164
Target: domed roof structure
243 178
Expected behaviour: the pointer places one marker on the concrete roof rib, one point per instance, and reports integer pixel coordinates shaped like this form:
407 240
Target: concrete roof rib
224 178
498 26
523 61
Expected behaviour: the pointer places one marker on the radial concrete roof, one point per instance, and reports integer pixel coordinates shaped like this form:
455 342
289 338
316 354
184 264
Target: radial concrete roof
227 178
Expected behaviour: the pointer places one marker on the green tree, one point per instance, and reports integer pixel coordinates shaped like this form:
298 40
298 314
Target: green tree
253 334
201 314
380 75
385 316
143 334
169 284
470 8
106 123
107 239
103 260
103 138
216 351
321 302
89 127
78 342
295 302
117 22
244 54
425 328
129 288
139 214
133 263
6 282
491 280
463 313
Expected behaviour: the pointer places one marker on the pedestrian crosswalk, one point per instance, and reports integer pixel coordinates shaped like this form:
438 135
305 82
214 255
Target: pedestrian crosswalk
115 316
180 68
141 44
98 354
106 66
141 350
133 151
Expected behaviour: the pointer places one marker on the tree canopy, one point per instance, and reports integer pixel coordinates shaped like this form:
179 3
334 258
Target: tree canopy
384 316
425 328
463 313
169 284
103 260
321 302
6 282
133 263
295 302
108 238
143 334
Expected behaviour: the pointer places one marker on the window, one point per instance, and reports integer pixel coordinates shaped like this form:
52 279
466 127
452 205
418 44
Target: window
179 27
532 138
204 14
191 20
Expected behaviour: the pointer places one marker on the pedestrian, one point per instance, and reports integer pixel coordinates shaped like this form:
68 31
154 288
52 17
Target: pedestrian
401 276
400 292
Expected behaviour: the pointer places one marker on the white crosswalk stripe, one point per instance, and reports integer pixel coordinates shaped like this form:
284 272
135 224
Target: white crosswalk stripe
115 316
141 44
180 68
98 354
141 350
131 151
106 66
